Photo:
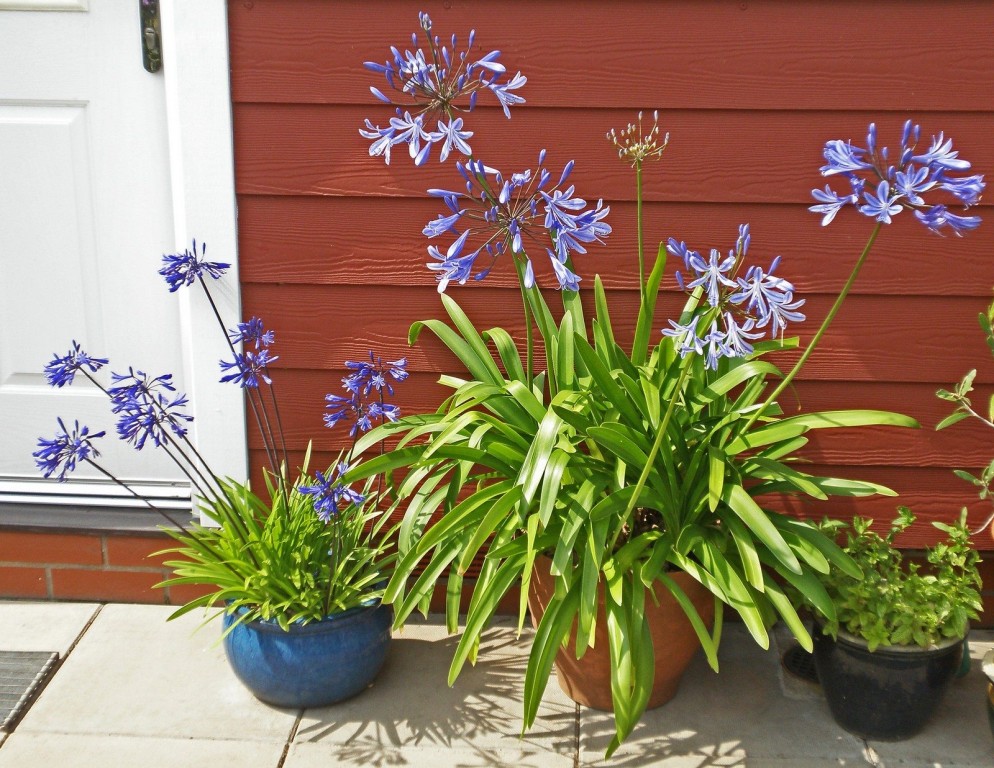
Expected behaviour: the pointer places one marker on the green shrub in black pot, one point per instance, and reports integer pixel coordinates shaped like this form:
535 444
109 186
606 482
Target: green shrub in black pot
896 642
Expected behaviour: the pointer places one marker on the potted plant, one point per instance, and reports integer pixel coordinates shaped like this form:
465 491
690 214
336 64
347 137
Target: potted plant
614 476
299 571
894 644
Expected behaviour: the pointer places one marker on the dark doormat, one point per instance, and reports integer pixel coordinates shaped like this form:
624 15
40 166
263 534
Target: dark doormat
22 676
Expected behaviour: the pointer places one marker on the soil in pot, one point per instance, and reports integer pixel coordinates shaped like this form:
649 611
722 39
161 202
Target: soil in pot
587 680
889 694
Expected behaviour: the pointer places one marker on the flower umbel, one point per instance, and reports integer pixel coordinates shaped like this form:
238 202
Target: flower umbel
366 379
635 146
146 409
62 370
67 449
503 212
739 305
185 268
430 88
926 182
330 494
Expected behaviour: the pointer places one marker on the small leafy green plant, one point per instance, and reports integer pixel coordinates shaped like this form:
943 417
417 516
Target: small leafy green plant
960 395
898 601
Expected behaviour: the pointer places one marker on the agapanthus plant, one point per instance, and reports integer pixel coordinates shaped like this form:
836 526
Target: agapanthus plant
613 467
431 89
315 547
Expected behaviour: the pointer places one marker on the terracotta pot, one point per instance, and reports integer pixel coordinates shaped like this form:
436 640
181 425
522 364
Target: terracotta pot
588 680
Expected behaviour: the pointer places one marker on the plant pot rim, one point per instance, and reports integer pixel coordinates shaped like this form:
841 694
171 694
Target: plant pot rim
320 625
896 650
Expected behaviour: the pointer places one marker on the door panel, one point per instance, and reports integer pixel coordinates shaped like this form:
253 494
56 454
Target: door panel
85 214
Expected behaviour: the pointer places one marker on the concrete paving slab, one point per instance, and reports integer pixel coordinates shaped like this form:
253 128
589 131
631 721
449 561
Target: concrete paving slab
32 750
135 674
959 735
410 707
737 717
27 626
322 755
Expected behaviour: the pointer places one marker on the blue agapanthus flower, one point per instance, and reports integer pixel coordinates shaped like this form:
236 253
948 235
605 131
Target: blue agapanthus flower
62 369
366 388
881 186
252 332
501 213
429 89
67 449
330 494
185 268
375 374
249 368
147 408
743 306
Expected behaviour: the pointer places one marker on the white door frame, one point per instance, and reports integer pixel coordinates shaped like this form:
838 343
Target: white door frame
201 157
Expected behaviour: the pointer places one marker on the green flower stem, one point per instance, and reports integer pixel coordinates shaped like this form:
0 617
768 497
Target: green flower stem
529 331
687 364
821 331
638 230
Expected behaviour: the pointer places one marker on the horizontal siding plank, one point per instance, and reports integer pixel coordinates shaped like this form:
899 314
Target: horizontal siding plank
691 54
376 241
967 445
874 338
719 156
933 494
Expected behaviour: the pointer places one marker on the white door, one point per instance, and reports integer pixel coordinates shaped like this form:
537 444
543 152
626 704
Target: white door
103 168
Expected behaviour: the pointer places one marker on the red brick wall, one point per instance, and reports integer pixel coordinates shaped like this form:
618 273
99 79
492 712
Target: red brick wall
77 566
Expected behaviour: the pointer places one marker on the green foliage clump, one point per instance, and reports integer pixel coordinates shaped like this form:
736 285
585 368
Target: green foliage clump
900 602
279 561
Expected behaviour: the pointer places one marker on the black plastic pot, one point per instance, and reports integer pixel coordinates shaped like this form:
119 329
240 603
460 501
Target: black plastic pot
889 694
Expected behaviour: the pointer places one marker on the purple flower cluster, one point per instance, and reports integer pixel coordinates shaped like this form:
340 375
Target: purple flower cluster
185 268
251 365
357 407
62 369
330 494
740 305
67 449
504 211
434 86
147 409
880 186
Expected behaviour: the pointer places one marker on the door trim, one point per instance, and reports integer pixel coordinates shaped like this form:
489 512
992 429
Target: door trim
201 156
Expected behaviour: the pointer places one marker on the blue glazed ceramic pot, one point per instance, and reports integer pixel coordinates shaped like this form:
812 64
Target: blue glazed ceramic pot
310 665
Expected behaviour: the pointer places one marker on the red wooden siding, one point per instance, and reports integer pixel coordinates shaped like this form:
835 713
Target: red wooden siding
330 240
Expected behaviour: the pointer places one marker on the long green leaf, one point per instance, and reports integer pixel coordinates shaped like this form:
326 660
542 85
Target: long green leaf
758 521
786 429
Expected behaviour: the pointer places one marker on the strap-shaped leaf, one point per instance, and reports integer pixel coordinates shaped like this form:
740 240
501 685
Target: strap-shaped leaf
508 352
789 428
537 459
740 597
497 514
708 643
486 599
758 521
565 364
551 480
602 379
552 629
468 330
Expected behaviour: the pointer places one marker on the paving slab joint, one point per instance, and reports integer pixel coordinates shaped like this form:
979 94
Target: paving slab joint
290 738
